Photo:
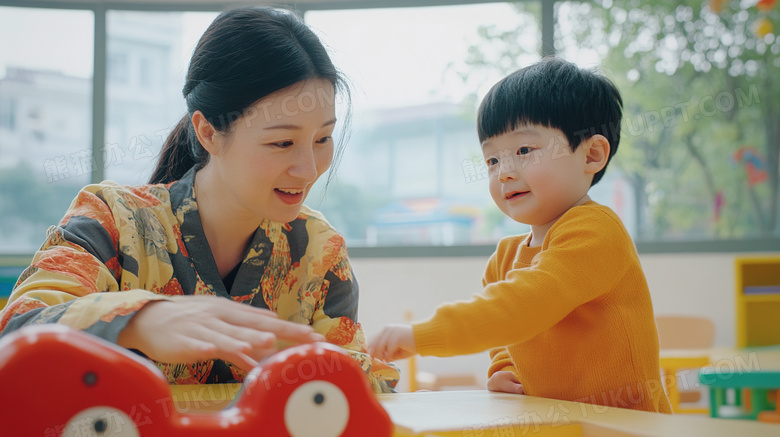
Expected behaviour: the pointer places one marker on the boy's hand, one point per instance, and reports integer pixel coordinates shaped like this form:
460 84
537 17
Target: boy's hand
393 342
505 381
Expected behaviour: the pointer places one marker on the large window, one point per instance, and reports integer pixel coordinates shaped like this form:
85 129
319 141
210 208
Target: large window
413 173
698 158
147 57
697 165
45 119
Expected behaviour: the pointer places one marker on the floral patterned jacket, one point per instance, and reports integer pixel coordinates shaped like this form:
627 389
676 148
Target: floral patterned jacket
119 247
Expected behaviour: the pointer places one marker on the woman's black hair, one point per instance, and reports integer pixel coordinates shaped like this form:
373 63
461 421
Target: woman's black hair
555 94
245 54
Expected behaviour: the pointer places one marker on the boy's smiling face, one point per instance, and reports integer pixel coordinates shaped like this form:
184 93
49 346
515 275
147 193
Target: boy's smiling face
535 176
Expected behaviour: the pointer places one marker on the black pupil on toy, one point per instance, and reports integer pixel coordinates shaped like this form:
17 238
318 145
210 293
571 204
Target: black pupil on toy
319 398
90 378
100 425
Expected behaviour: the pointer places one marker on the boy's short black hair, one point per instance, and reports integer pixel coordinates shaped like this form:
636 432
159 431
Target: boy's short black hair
555 94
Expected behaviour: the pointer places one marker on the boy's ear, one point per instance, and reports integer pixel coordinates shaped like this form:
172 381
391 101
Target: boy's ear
596 153
206 133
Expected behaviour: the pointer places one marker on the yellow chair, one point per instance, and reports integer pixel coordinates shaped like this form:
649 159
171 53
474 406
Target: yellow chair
683 341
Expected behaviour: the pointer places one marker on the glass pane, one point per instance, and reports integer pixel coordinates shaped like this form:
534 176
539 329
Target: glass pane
45 119
698 158
147 58
411 173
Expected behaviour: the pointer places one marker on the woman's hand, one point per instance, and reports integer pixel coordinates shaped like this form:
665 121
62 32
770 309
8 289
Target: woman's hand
505 381
188 329
393 342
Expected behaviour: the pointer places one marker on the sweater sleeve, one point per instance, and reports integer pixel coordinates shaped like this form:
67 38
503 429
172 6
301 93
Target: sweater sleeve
71 273
583 255
500 361
499 357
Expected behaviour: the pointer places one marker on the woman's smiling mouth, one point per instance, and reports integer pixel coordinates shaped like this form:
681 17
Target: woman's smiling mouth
290 196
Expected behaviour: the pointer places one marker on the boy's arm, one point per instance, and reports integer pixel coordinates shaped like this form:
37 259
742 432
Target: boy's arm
499 357
500 361
584 255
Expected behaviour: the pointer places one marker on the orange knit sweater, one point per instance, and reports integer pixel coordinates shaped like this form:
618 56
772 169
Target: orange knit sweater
572 318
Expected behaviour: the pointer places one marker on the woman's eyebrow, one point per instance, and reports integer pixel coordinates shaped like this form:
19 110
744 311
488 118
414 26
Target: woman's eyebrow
297 127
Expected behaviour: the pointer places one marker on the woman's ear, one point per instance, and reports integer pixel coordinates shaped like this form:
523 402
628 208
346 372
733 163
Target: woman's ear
596 153
206 133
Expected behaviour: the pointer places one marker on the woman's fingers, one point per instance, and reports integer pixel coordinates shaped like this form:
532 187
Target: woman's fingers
241 360
257 339
266 321
193 347
198 328
284 330
259 354
262 335
224 342
217 345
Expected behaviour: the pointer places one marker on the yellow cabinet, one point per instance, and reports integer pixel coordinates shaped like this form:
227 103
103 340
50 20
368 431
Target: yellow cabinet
758 301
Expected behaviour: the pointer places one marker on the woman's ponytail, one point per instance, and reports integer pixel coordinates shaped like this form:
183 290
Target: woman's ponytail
176 156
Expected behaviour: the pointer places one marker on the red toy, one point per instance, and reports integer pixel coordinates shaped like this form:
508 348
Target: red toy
60 382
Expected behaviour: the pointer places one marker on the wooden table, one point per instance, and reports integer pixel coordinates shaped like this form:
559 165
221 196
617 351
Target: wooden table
477 413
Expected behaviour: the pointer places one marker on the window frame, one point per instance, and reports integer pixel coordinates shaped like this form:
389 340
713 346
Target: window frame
100 10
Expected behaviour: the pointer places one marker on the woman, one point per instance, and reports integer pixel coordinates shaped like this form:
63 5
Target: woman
216 263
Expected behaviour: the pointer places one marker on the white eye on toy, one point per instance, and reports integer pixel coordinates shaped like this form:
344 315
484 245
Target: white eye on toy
100 422
316 409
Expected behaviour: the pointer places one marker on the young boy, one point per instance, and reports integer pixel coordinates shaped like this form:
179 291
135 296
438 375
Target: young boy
566 308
